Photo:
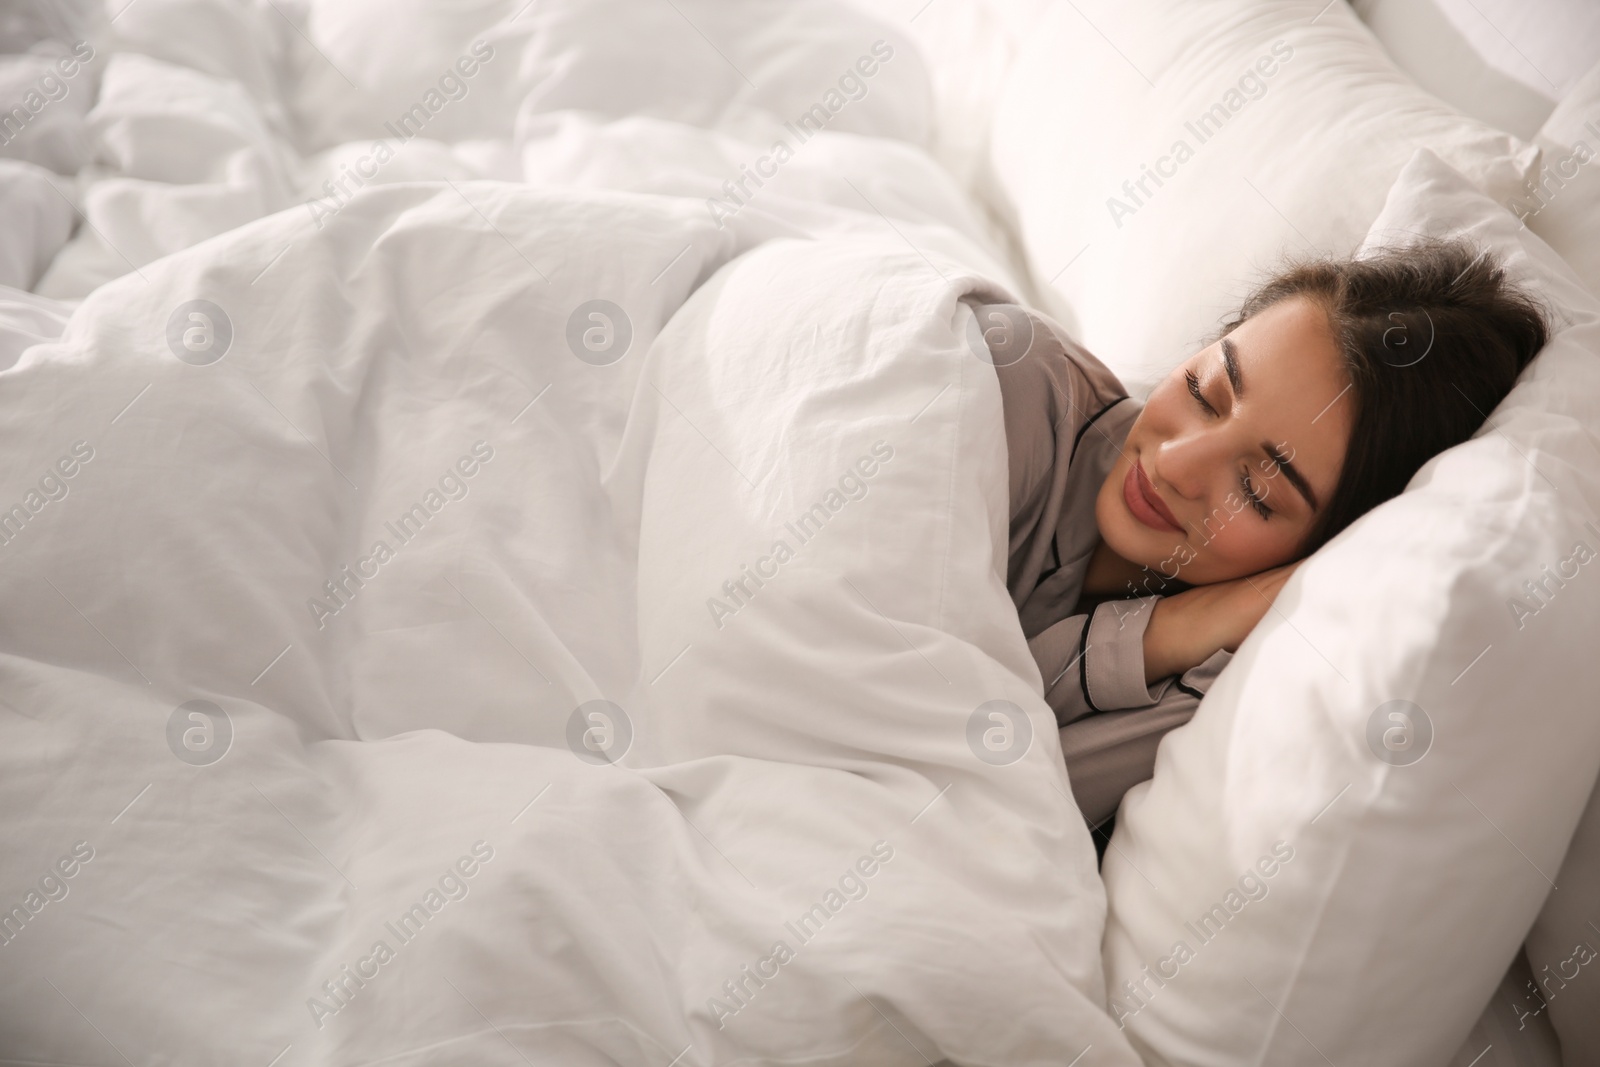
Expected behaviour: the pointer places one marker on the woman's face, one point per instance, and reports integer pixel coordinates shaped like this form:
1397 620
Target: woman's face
1227 466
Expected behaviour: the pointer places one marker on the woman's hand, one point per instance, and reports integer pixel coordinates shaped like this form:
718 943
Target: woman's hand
1188 628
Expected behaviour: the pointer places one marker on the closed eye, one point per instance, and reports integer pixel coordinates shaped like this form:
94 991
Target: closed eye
1256 500
1194 390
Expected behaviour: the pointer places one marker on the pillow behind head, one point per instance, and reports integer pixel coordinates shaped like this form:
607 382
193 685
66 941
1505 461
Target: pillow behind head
1562 203
1147 150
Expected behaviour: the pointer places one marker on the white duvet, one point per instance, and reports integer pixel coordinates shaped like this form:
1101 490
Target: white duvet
521 622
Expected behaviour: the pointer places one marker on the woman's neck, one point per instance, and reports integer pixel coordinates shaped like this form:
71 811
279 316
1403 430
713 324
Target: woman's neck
1109 575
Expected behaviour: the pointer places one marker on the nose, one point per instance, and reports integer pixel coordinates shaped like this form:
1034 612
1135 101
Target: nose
1189 461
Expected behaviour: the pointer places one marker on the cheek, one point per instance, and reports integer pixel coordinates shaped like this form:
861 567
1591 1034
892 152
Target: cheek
1245 545
1110 513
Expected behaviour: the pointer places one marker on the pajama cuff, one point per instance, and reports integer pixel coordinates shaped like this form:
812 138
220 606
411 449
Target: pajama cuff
1113 663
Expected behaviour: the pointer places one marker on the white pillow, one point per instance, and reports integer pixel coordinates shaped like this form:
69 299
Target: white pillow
1563 206
1392 895
1424 41
968 47
1564 209
1542 46
1315 122
1563 944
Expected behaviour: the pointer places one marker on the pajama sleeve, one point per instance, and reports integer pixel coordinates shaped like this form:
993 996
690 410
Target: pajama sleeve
1111 721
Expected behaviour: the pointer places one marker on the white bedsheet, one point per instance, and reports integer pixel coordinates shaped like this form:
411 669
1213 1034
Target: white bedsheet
194 476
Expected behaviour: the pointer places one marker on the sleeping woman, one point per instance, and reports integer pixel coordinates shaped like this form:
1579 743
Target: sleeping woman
1147 540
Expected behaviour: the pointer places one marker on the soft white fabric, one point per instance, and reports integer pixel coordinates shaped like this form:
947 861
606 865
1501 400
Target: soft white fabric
968 47
36 218
1562 947
378 334
1545 44
218 112
773 745
1504 62
27 319
1563 206
22 26
182 156
1565 210
701 62
373 346
1513 1031
1424 42
1315 123
44 95
1411 886
255 44
370 339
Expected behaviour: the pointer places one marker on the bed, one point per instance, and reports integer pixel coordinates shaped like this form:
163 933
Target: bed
504 526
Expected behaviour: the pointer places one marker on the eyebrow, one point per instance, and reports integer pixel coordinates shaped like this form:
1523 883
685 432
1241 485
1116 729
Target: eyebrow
1230 364
1289 470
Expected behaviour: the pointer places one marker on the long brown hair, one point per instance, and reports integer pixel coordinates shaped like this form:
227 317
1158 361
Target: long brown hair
1433 335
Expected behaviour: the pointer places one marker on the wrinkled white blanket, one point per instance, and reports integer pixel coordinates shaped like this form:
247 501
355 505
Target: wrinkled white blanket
498 623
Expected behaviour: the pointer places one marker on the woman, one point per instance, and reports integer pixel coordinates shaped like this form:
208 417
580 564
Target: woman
1147 540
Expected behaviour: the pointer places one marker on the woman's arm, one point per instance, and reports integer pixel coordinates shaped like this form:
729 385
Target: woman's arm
1113 720
1120 678
1188 628
1094 662
1137 653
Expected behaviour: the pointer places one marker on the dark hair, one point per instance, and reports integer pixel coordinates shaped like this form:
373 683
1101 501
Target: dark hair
1433 336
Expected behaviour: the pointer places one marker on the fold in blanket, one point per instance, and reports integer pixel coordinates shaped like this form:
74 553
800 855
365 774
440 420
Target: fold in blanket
573 420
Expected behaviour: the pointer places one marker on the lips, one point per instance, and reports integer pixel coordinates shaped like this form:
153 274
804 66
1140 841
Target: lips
1147 507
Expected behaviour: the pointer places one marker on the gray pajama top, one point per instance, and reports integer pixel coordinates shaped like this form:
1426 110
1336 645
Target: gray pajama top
1066 418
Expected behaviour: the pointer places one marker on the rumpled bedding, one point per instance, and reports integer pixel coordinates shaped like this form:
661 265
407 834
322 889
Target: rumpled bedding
509 609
